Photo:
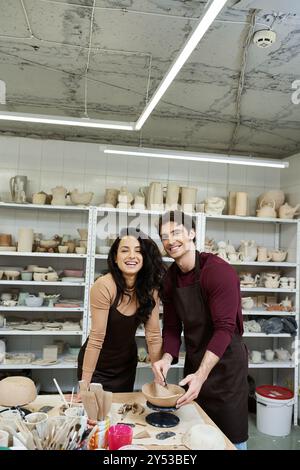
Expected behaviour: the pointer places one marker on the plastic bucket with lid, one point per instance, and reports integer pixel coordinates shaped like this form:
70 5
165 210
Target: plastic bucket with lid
274 410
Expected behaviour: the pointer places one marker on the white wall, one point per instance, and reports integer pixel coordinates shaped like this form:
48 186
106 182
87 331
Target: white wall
290 180
48 163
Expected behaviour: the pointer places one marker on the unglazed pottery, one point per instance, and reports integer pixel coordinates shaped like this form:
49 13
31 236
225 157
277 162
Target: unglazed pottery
188 198
25 239
18 188
155 196
275 196
241 204
17 391
266 209
172 196
214 205
59 196
154 394
288 212
204 437
78 198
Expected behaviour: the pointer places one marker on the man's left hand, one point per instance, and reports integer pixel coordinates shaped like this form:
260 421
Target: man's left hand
195 383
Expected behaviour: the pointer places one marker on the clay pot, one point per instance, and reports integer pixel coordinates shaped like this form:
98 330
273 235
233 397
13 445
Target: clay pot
39 198
71 246
275 196
288 212
262 254
81 198
278 255
59 196
111 197
266 209
214 205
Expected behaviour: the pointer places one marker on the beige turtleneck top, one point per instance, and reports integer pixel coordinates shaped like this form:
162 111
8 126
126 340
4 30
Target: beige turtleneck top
102 296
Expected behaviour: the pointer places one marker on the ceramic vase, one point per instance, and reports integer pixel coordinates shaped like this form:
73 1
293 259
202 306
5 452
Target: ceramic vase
25 239
188 198
241 204
172 196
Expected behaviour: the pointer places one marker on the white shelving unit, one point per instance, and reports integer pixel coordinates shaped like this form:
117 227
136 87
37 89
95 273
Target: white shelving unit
273 234
47 220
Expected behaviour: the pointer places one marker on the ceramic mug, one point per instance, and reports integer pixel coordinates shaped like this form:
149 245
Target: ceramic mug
269 354
256 357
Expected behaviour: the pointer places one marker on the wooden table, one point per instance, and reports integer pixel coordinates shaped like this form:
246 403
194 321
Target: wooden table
55 401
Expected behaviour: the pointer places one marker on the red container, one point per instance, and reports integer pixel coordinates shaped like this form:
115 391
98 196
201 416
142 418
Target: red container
119 435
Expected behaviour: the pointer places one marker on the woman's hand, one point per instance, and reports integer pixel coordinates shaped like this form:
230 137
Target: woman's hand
160 368
194 383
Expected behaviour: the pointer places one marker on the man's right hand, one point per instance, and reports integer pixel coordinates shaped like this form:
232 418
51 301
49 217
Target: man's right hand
160 368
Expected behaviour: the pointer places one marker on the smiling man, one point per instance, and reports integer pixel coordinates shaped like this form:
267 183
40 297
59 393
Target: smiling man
202 299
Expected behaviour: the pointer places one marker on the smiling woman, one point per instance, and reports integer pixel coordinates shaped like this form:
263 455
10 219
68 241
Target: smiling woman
120 301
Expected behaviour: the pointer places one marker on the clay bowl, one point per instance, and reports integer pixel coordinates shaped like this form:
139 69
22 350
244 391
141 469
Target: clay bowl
154 394
49 243
73 273
12 274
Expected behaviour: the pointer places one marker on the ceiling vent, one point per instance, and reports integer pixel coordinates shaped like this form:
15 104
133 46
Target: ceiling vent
264 38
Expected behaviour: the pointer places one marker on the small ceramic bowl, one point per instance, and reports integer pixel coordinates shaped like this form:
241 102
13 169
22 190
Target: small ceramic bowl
103 249
62 249
80 250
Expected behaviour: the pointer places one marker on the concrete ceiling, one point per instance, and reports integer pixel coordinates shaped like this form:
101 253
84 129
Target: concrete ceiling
63 57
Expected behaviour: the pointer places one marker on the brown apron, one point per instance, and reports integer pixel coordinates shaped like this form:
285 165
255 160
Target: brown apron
116 365
224 395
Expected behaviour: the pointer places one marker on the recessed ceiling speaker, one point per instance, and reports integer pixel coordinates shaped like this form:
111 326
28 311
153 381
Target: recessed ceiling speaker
264 38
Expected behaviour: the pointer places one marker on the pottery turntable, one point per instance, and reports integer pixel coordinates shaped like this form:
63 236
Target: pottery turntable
163 417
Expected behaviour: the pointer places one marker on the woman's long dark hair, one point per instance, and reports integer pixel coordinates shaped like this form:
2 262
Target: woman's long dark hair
149 278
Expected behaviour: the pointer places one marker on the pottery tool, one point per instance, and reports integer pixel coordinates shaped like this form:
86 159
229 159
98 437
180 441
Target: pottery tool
99 394
165 382
60 393
72 396
90 404
106 404
83 386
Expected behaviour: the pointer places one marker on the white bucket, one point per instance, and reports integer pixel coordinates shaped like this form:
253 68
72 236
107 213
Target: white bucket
273 416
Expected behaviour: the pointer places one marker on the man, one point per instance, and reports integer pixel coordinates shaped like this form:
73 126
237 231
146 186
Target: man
202 298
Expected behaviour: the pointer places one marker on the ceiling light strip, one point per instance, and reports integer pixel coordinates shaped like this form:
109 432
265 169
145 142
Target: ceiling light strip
69 121
193 156
206 20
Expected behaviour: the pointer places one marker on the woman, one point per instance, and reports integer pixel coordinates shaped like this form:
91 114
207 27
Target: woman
120 301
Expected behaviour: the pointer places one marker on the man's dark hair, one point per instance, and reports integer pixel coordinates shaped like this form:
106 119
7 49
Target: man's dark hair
179 217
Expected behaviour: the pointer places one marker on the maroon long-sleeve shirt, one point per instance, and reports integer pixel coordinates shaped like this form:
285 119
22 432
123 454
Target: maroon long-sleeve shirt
221 288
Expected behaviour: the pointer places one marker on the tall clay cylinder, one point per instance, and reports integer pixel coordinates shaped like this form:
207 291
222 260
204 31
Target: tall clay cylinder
25 239
188 198
241 204
231 203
